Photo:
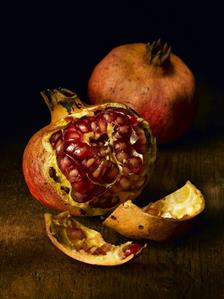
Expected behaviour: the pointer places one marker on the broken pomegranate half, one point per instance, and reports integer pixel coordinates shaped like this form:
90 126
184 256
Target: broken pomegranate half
160 220
85 244
90 158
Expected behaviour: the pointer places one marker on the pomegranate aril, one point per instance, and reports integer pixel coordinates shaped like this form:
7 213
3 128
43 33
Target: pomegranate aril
55 137
109 115
100 170
83 125
122 156
82 185
59 147
94 126
123 129
90 162
106 201
102 125
82 150
75 233
79 197
132 119
71 135
125 183
135 164
111 173
131 249
69 148
118 145
104 150
119 120
65 163
141 135
74 176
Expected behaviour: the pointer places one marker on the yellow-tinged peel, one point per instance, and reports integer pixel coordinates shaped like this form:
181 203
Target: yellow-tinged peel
83 250
161 220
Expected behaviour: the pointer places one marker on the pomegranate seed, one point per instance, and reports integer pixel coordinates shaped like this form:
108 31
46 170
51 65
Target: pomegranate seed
69 148
119 120
55 137
108 117
83 125
90 162
65 163
120 145
72 135
125 183
135 164
122 156
102 126
75 233
82 150
74 175
94 126
123 129
131 249
59 147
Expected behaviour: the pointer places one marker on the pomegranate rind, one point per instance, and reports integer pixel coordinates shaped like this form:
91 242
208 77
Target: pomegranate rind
113 257
149 223
39 157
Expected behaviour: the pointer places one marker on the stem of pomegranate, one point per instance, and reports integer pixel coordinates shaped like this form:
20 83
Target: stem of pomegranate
62 102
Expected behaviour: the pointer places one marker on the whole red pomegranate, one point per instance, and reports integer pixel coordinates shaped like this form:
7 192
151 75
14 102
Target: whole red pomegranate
90 158
153 81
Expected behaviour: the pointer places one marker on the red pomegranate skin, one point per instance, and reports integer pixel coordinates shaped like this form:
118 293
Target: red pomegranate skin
92 190
164 96
36 178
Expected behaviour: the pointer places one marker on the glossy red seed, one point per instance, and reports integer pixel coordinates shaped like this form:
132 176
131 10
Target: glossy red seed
72 135
135 164
55 137
132 249
82 150
75 233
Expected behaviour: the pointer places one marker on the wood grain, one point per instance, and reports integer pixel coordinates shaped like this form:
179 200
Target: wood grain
30 267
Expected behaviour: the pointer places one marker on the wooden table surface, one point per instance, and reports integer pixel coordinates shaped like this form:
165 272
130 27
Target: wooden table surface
193 265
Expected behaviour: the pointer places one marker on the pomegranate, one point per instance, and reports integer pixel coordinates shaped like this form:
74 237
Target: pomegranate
153 81
90 158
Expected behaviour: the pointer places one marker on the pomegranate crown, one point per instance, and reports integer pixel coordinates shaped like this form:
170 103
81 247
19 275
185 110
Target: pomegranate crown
158 52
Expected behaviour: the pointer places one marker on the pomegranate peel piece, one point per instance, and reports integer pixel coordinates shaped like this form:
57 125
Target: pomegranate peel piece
164 219
87 245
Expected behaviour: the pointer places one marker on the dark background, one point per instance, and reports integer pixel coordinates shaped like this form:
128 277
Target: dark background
47 46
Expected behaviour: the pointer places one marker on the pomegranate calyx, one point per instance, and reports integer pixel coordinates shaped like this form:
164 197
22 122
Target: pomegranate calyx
158 53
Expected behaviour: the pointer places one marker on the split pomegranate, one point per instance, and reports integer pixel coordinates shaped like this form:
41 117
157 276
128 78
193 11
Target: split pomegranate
90 158
153 81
